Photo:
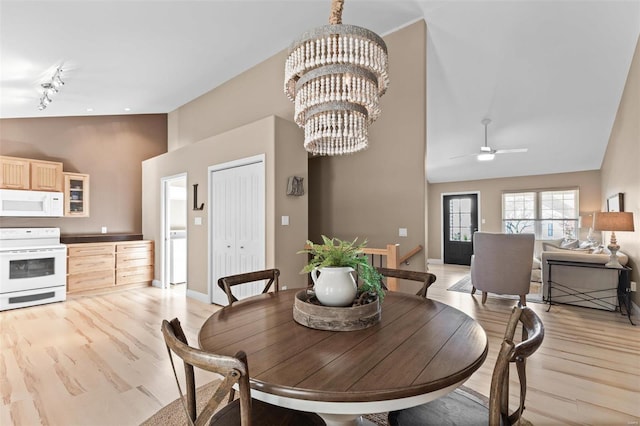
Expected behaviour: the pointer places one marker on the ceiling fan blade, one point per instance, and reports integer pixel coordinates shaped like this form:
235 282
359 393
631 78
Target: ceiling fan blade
463 155
511 151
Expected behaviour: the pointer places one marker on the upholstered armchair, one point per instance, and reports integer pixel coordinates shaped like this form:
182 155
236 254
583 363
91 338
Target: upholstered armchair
501 264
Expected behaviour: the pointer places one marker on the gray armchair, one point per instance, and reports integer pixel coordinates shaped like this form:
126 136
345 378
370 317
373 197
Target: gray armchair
501 264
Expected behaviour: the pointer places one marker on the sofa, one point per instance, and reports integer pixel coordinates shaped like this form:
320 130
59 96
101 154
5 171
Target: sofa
593 283
536 268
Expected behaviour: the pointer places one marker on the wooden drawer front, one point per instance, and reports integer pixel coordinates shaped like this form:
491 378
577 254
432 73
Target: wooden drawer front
138 246
82 264
134 275
90 280
90 249
132 262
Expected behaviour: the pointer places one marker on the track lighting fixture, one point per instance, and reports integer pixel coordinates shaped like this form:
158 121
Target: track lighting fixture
50 88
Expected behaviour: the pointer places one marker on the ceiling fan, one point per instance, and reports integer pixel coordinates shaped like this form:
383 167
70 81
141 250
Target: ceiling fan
486 152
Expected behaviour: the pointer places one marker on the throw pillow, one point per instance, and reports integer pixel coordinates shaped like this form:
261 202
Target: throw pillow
570 244
551 247
585 244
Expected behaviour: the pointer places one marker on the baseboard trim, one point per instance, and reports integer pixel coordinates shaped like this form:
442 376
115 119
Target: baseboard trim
635 310
202 297
435 262
156 283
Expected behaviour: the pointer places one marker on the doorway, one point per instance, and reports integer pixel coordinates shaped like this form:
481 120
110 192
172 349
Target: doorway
460 221
174 230
237 218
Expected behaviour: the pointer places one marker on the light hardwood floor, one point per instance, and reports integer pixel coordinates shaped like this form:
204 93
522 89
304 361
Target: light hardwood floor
100 360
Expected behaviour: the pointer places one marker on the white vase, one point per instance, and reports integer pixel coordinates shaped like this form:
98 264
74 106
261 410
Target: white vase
334 286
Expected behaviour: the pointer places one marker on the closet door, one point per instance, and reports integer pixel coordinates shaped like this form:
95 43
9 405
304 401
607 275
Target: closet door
237 227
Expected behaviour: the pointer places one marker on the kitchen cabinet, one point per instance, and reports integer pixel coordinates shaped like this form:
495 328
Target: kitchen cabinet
134 262
90 266
46 176
14 173
76 195
26 173
109 265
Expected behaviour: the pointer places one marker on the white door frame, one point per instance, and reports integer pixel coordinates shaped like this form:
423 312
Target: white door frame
441 207
164 227
260 158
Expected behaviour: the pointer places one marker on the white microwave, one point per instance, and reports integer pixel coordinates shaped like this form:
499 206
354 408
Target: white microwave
21 203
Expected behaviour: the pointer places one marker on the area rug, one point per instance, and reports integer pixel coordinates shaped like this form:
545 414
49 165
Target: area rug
174 415
534 296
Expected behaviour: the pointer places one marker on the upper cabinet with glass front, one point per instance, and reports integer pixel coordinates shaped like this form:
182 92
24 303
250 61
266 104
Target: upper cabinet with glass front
76 195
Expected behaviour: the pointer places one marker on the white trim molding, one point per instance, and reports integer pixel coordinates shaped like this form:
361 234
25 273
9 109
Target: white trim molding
201 297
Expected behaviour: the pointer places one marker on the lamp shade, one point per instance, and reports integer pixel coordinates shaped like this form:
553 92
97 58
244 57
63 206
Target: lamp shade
614 221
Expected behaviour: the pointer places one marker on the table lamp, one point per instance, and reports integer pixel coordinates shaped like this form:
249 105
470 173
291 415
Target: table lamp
614 221
586 221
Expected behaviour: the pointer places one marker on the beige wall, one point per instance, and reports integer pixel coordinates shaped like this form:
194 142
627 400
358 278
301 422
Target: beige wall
620 170
372 193
250 96
278 140
490 198
108 148
290 160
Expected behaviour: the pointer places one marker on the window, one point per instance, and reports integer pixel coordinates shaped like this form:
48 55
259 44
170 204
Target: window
547 214
460 219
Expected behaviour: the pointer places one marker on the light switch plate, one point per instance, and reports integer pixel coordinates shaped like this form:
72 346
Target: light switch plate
197 220
402 232
104 230
285 220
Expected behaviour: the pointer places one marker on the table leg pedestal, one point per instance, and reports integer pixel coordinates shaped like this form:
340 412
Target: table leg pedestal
345 420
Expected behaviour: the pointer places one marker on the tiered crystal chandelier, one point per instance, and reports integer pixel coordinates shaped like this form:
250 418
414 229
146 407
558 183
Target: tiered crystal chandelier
335 75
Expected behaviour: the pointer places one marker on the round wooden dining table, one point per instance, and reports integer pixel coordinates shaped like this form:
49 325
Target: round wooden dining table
419 351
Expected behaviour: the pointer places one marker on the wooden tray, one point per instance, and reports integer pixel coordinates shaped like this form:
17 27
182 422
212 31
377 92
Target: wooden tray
332 318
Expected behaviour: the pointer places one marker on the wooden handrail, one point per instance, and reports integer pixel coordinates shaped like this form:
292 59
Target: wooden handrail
391 252
407 256
393 259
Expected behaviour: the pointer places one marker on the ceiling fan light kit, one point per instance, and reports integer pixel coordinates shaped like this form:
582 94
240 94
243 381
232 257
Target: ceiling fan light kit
335 75
486 156
486 152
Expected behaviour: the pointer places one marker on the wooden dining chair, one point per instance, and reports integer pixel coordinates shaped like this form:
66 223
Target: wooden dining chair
426 278
461 407
234 370
225 283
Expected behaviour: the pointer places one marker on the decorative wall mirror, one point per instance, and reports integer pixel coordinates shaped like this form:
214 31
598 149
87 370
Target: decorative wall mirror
615 203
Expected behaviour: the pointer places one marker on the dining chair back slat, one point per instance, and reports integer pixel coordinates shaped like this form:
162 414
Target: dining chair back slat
426 278
269 275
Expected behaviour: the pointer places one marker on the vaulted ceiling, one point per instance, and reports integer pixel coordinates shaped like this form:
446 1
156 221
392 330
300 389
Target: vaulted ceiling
549 74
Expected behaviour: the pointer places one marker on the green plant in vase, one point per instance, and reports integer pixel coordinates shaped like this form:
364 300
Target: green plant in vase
335 256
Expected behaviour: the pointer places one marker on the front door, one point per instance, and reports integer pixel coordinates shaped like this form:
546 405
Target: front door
460 214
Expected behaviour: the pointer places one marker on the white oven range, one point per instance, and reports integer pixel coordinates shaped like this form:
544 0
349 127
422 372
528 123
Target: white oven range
33 267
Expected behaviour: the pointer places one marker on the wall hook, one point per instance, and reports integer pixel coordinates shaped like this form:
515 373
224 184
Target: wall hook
195 198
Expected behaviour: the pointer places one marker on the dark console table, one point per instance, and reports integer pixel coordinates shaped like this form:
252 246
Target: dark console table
623 290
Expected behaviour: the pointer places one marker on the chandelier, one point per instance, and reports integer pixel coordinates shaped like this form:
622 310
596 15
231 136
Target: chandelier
335 75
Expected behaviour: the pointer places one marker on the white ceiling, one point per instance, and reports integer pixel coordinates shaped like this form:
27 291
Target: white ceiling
549 74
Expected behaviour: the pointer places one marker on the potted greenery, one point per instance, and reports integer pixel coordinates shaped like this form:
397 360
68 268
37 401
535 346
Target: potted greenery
332 265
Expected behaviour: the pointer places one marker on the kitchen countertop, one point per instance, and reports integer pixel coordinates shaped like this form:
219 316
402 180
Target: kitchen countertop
98 238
